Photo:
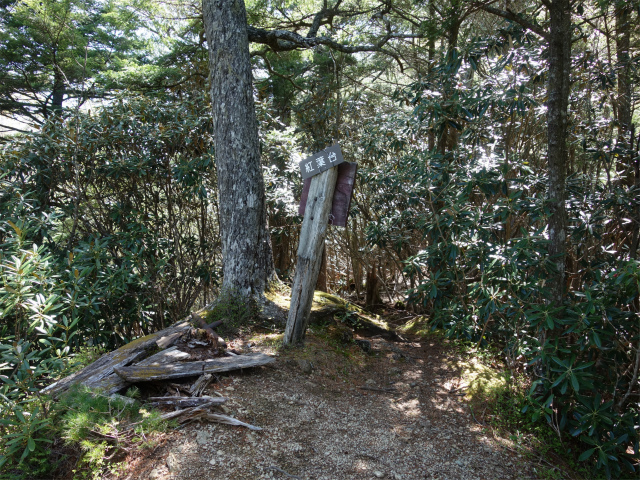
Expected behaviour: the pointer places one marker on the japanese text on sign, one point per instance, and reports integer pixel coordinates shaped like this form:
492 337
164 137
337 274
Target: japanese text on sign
321 161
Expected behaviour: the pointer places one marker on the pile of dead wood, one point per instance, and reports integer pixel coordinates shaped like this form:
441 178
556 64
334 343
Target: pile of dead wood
194 405
166 356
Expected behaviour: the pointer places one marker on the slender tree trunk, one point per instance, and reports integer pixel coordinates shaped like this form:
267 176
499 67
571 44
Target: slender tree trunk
372 297
354 249
246 247
449 137
431 49
623 100
558 101
635 238
321 284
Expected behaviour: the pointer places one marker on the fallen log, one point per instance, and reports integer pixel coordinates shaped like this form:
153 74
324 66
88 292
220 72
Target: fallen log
147 373
100 374
166 356
184 402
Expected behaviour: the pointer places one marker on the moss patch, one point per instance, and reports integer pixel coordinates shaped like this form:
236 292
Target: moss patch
484 383
417 326
281 297
273 340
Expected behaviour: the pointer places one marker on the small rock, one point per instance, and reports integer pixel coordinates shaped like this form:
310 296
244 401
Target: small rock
212 461
378 474
413 384
220 453
306 366
371 381
173 462
202 437
156 474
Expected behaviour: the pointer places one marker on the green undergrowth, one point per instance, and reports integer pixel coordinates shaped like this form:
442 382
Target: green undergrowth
501 408
94 432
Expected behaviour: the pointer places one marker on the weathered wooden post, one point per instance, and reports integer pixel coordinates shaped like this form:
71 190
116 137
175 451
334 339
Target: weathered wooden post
323 168
314 229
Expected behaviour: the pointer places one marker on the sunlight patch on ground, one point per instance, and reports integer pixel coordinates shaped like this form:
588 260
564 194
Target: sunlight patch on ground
268 342
413 375
410 408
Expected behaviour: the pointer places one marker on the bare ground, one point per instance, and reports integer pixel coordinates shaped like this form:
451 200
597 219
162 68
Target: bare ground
334 412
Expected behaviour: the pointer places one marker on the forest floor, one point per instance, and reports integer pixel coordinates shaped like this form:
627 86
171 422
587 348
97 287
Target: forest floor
331 411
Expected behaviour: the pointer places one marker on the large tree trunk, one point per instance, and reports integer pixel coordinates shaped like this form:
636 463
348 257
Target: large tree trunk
558 101
246 248
57 93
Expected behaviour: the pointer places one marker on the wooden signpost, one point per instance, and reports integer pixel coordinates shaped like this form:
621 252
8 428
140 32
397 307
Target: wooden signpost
321 172
341 196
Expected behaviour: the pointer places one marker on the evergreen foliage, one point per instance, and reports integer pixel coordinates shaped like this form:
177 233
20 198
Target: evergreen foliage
109 214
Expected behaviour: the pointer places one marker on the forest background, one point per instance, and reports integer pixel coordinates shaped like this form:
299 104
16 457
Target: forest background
472 207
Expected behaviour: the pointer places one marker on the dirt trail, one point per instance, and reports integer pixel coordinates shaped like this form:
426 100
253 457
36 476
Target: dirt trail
406 423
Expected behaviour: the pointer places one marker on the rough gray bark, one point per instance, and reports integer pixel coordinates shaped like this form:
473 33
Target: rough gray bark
557 107
246 248
314 228
100 374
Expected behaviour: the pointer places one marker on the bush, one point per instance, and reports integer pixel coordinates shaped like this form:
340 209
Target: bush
481 274
103 238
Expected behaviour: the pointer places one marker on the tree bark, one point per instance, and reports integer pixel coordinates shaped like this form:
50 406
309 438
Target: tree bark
449 137
246 248
558 101
623 100
372 297
57 93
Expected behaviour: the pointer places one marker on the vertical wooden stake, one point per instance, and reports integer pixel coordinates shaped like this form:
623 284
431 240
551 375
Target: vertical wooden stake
314 229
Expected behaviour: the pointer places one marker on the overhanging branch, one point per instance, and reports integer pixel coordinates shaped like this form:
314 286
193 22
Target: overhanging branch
283 40
515 18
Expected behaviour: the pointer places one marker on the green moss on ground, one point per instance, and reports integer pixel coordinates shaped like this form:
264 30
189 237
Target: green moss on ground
483 383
